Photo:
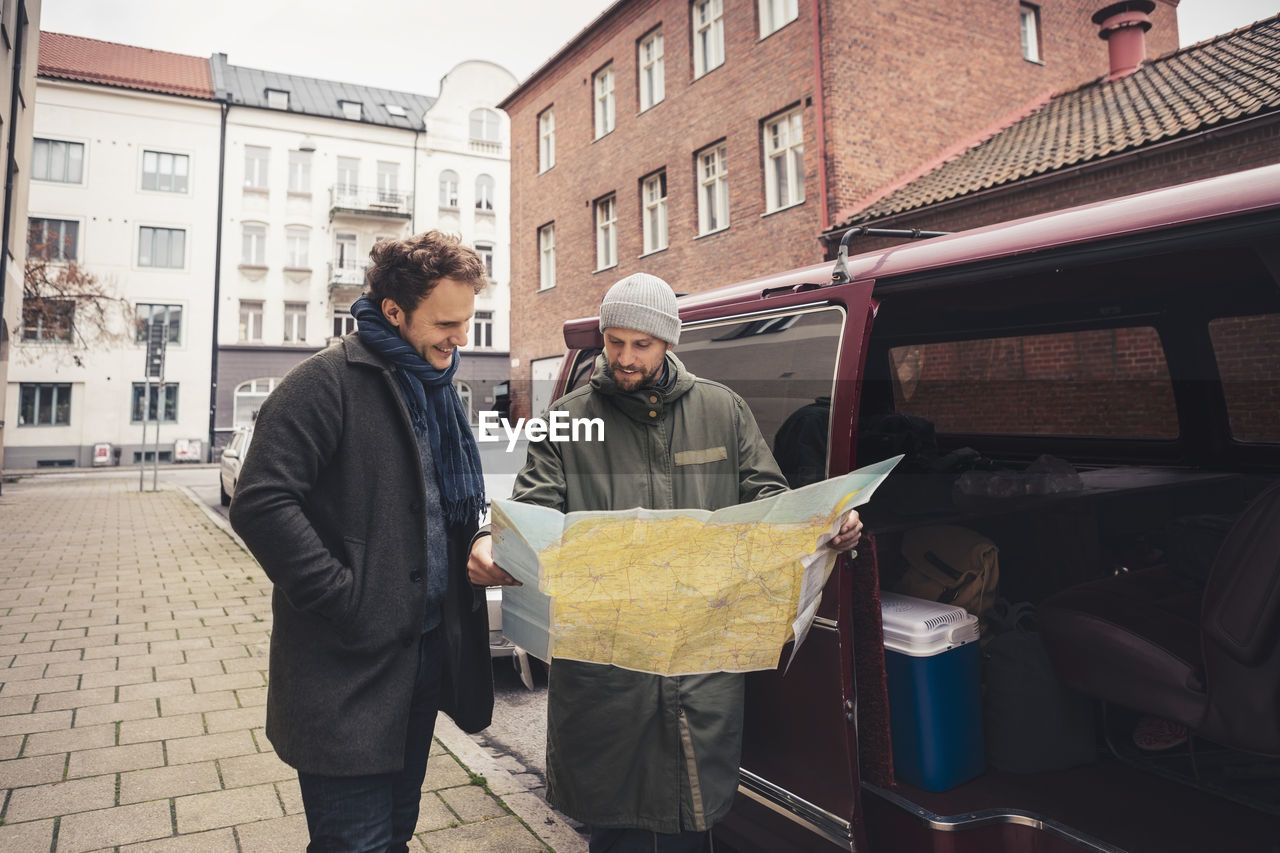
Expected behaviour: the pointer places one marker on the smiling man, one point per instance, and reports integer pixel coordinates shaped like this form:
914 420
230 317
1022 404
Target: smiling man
360 496
648 762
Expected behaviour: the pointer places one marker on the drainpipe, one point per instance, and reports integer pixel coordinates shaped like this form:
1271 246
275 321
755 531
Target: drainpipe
820 125
15 102
217 278
413 208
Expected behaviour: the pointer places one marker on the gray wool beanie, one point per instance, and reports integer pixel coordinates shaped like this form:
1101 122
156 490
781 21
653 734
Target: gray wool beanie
645 303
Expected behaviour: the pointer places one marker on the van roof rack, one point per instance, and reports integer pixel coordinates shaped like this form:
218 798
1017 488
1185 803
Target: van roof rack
840 274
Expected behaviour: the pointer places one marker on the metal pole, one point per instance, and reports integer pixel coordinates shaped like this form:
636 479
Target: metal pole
142 457
164 345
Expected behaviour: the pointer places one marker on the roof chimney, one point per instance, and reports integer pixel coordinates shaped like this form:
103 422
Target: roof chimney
1124 29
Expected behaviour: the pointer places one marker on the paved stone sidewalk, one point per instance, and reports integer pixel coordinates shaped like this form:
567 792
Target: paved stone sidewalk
133 666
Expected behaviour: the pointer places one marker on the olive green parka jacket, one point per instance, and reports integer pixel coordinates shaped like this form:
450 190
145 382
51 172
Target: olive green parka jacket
624 748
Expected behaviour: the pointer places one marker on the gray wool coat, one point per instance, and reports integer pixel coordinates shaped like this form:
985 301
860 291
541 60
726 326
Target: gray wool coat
331 503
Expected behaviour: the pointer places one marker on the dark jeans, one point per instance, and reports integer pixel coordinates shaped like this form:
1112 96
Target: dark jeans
646 841
373 814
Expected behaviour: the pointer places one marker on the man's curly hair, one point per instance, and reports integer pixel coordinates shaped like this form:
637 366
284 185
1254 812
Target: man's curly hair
406 271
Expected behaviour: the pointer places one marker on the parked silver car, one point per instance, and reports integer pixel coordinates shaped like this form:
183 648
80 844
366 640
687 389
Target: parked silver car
232 458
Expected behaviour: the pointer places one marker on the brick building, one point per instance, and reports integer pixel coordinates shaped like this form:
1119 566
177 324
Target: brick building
712 141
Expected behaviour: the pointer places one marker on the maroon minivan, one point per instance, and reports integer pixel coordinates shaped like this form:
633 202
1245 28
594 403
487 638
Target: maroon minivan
1133 347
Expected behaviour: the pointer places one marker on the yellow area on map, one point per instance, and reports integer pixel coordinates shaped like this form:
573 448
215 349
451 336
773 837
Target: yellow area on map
676 595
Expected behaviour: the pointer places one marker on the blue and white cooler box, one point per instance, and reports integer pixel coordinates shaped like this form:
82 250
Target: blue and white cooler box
934 673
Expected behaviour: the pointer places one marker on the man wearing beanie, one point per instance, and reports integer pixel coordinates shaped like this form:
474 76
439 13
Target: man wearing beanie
648 762
360 496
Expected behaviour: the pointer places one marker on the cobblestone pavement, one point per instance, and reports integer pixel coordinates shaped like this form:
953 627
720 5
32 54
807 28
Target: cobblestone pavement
133 671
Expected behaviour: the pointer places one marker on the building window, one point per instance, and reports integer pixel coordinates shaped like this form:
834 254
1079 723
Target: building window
484 193
300 172
607 232
162 247
546 140
449 189
776 14
147 402
652 77
277 99
653 194
149 314
713 190
44 404
48 320
250 322
784 161
464 396
343 322
485 126
708 36
547 256
353 110
53 239
164 172
249 398
255 167
297 247
55 160
396 110
485 251
345 246
388 182
253 244
603 88
1029 23
482 329
348 175
295 322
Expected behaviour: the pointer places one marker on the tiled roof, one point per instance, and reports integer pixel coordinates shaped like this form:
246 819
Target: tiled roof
315 97
110 64
1228 78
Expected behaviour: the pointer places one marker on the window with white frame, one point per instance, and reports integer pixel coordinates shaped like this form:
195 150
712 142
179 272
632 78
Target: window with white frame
348 175
602 85
547 256
464 397
343 322
345 250
249 397
353 110
48 320
708 36
449 189
784 161
44 404
253 244
165 172
250 321
162 247
150 314
55 160
277 99
775 14
1029 24
607 232
482 329
295 322
546 139
653 194
388 182
300 172
485 251
652 73
53 239
153 402
297 247
713 189
485 126
256 160
485 188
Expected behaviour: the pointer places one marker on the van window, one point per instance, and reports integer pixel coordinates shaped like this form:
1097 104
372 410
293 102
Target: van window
783 365
1101 382
1248 363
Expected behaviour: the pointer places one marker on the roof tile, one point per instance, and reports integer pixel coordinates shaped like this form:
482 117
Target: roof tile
92 61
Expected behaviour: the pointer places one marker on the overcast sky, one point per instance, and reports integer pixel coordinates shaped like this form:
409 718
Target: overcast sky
409 45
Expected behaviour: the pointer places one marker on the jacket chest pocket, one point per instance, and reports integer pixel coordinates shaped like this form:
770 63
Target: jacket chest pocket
701 457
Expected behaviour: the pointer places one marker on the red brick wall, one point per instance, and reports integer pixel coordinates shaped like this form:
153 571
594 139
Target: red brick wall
902 81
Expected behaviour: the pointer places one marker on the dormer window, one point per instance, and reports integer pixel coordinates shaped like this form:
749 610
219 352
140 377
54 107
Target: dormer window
353 110
278 99
396 110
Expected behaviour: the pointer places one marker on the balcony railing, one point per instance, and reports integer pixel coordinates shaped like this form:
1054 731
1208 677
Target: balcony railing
369 201
346 275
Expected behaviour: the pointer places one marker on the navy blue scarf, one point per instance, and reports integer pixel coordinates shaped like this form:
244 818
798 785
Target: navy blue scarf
435 409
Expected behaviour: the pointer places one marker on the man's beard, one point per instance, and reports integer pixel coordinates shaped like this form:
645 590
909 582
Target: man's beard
646 378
